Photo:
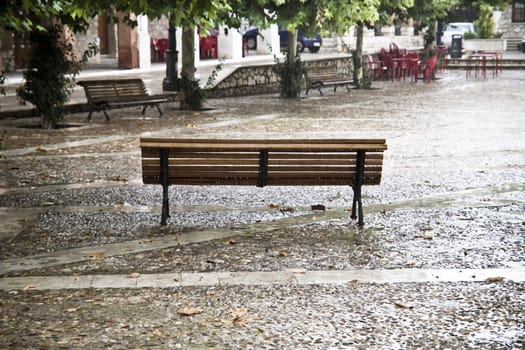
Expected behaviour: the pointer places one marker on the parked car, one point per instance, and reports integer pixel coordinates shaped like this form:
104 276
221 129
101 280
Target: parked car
456 28
250 37
312 44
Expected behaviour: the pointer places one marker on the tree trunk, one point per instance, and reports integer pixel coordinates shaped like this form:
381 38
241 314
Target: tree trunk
358 56
188 68
292 45
188 53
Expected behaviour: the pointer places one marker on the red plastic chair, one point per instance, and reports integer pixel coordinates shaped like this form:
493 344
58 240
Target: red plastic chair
387 62
428 68
409 65
377 67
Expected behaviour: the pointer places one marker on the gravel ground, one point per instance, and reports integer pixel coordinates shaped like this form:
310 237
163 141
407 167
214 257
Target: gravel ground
452 196
348 316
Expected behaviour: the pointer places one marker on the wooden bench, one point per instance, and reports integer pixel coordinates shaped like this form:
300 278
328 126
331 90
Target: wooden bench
103 94
317 77
263 163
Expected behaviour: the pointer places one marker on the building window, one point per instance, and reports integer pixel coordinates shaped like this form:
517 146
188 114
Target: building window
518 11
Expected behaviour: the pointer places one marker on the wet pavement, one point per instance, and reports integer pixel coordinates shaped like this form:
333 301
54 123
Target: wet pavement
440 262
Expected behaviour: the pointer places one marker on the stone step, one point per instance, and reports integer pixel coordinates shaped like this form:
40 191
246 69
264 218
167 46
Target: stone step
512 43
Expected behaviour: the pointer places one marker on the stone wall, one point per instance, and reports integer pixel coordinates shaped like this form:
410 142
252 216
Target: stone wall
262 79
509 29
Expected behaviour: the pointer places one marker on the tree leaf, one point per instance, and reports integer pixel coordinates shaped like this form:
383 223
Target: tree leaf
190 311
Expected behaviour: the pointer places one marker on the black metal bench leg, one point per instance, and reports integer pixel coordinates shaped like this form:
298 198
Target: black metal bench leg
159 109
359 180
165 186
106 114
353 216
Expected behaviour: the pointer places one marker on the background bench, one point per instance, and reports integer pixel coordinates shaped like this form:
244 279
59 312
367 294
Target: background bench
317 77
103 94
263 163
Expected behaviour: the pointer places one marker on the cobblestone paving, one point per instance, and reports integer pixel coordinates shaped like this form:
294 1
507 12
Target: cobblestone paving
452 197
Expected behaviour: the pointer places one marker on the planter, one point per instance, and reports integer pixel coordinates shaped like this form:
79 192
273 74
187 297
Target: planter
484 44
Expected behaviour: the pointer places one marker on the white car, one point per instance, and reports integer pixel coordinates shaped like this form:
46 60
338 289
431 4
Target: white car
456 28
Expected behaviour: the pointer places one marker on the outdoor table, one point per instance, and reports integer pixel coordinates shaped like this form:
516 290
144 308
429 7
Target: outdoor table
478 61
399 63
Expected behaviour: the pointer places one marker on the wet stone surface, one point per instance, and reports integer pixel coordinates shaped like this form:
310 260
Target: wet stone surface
452 196
348 316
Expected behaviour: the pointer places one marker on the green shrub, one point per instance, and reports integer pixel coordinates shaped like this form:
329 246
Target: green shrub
485 24
469 35
48 83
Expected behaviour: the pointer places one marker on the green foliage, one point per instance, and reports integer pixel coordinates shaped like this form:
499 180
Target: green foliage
469 35
485 24
3 77
47 83
291 77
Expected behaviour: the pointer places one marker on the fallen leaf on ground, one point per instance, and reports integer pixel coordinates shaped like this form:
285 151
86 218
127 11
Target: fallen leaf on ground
95 255
210 292
134 275
231 241
352 282
189 311
318 207
238 316
286 210
427 237
29 286
42 149
494 279
404 305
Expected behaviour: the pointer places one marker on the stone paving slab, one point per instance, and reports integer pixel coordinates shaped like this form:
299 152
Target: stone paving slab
288 277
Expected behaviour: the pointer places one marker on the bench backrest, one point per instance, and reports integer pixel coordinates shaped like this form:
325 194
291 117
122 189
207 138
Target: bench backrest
322 73
109 90
261 162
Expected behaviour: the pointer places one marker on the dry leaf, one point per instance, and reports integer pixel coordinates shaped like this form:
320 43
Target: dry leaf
156 332
231 241
134 275
379 255
427 237
72 309
286 210
404 305
96 255
282 254
352 282
29 286
210 292
494 279
42 149
189 311
426 228
238 316
318 207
